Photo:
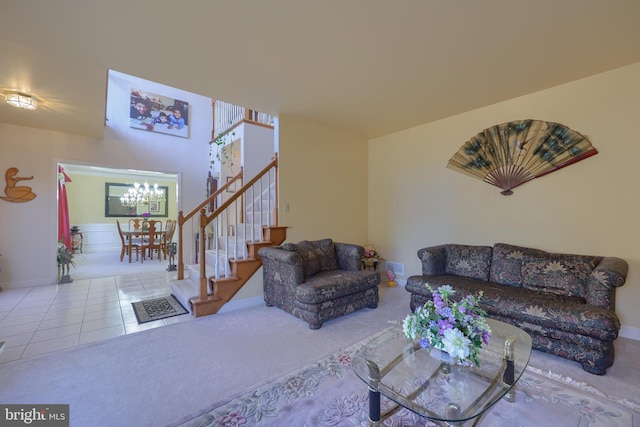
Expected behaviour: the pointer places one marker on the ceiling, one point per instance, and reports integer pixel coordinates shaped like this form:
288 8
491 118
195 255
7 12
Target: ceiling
368 67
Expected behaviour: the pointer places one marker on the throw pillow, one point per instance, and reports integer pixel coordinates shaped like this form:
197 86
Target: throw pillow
310 258
327 253
506 263
291 247
468 261
559 275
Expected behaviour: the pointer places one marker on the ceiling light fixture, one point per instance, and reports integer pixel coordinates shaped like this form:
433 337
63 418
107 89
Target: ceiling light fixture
20 100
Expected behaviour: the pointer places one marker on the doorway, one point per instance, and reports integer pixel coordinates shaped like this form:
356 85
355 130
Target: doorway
98 255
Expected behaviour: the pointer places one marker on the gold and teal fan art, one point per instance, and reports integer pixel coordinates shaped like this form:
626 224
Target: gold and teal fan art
510 154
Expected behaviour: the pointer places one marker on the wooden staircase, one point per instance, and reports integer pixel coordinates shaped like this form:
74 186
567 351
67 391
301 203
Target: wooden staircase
223 289
229 262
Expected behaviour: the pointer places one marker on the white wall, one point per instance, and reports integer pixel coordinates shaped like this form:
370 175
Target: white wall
29 230
257 150
590 207
323 181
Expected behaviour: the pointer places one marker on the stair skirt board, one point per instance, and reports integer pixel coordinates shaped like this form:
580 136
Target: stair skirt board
180 290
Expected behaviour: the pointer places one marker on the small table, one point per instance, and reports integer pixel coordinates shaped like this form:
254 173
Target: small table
370 263
421 381
129 234
76 240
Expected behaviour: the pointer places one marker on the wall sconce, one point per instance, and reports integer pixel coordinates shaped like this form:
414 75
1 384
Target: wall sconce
23 101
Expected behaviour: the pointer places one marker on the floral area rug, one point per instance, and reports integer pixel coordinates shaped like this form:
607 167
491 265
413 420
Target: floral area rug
328 393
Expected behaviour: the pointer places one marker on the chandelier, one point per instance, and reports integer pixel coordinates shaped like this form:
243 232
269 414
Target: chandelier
142 195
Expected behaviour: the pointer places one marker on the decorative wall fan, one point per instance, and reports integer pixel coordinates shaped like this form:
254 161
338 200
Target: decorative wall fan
510 154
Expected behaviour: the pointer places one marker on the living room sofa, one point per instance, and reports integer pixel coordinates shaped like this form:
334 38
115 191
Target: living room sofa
565 302
318 280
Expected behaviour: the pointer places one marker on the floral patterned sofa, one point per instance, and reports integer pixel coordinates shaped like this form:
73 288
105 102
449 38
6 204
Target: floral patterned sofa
565 302
317 280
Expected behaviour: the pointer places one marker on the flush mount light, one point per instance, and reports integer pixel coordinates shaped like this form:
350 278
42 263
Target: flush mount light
20 100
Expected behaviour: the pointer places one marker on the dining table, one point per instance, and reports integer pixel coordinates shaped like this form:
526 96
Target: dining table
130 234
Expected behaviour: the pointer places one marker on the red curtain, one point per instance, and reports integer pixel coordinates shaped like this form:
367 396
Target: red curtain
64 230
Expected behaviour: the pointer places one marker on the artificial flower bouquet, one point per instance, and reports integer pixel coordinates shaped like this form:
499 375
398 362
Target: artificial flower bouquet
456 327
64 255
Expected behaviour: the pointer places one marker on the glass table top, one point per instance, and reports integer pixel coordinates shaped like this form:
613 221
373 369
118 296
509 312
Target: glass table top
423 381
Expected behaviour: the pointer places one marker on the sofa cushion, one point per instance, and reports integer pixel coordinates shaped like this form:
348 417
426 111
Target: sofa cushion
545 312
327 254
468 261
317 256
562 275
609 273
310 258
329 285
506 263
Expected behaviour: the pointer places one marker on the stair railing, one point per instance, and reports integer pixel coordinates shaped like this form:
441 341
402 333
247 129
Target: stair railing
182 219
226 218
227 116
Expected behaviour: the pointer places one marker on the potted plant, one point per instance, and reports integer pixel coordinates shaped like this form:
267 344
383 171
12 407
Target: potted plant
64 258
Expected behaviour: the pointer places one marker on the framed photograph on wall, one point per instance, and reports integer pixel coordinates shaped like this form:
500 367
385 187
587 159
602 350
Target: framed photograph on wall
157 113
154 207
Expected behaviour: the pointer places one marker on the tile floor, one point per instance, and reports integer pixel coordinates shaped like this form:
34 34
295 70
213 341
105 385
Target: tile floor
42 319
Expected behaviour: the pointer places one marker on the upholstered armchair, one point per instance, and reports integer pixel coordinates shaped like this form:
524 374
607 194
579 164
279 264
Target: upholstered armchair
318 280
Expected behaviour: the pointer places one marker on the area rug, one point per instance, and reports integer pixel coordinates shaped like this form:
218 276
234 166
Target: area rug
158 308
328 393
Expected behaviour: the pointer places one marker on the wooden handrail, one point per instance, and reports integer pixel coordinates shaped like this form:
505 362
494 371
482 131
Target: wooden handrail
212 197
206 220
239 193
184 218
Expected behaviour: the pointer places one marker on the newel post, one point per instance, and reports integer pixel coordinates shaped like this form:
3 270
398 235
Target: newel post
180 246
201 257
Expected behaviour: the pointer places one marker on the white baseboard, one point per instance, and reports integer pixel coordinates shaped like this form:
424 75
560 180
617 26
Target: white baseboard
242 303
27 283
630 332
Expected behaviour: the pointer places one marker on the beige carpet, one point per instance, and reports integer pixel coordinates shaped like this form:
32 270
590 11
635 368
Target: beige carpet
160 376
327 393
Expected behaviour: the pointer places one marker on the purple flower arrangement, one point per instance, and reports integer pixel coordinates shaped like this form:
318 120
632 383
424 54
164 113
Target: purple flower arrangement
456 327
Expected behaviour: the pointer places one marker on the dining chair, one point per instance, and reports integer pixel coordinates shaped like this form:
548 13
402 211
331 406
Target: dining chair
135 243
153 241
134 224
170 228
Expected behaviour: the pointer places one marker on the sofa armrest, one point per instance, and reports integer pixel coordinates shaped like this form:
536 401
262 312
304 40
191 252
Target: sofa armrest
610 273
348 256
433 260
281 266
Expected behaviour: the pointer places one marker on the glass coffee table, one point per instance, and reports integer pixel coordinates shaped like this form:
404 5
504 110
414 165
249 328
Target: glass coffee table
425 382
